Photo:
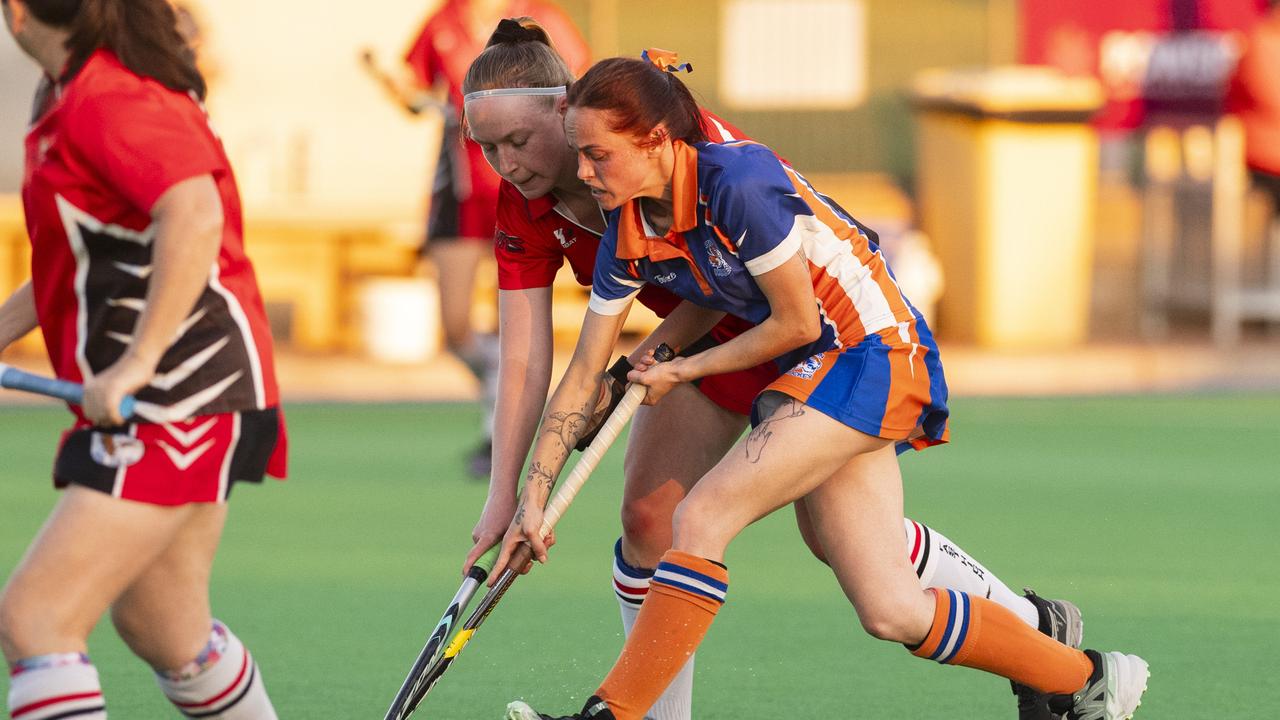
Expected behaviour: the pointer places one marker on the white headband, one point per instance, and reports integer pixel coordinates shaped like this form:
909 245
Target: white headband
558 90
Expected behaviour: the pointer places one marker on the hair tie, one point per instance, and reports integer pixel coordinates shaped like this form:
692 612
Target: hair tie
666 60
510 31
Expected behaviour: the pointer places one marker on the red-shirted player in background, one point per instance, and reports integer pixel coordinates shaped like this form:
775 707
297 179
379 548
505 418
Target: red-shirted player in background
546 217
140 285
464 191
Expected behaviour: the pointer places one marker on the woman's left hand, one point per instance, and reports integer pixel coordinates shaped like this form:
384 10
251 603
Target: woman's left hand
658 377
104 391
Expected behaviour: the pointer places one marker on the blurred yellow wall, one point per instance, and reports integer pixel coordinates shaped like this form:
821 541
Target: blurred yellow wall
309 133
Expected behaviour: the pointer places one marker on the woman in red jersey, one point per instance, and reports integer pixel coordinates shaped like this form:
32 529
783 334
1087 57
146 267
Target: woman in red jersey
464 189
546 217
140 285
731 228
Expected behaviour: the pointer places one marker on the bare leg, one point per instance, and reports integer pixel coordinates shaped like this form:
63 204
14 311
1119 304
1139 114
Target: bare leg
164 615
92 547
671 446
456 261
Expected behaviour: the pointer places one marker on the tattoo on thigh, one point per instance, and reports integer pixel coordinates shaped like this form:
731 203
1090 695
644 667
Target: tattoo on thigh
759 436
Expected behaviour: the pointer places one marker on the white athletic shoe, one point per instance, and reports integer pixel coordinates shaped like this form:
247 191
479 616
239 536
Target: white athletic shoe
595 709
518 710
1114 690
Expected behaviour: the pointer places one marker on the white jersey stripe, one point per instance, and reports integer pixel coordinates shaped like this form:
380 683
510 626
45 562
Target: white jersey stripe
725 135
823 248
789 246
600 306
224 479
246 334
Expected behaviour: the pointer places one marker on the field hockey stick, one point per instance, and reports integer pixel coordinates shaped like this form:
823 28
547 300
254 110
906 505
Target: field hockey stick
555 509
415 683
416 105
15 379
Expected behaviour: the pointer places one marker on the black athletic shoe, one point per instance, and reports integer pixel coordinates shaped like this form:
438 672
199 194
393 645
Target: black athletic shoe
595 709
1060 620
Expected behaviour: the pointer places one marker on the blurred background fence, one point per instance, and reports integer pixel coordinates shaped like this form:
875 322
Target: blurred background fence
1045 174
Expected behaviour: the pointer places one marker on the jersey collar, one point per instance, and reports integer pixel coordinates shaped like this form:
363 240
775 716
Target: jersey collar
539 207
634 243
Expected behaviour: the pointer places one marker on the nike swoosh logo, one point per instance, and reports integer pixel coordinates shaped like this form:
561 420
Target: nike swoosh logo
181 460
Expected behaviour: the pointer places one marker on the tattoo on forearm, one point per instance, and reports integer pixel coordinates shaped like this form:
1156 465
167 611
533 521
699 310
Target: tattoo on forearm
519 518
569 426
542 475
759 437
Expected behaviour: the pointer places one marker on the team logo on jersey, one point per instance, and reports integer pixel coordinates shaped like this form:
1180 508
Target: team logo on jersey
664 279
807 367
719 266
42 147
564 242
115 450
508 243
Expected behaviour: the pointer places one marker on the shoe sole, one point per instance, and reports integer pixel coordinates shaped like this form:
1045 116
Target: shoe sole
1127 677
1075 623
520 711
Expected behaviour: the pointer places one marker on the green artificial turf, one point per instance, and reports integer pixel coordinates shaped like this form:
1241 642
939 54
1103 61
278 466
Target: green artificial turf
1154 514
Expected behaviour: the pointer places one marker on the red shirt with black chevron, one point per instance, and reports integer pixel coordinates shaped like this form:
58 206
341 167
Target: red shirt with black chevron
107 145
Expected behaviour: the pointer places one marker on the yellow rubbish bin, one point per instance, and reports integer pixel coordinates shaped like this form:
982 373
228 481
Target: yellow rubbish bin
1006 175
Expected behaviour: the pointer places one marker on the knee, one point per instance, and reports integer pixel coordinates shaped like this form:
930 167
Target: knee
11 621
130 629
696 523
24 629
646 525
886 626
893 622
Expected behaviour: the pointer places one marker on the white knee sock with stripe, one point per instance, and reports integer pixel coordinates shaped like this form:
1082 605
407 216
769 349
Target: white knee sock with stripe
63 685
222 682
940 563
631 584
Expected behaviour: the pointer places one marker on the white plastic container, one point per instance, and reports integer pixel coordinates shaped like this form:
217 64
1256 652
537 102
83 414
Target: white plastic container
400 319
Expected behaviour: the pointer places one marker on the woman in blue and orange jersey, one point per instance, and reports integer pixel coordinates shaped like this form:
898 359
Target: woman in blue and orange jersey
547 217
731 229
139 285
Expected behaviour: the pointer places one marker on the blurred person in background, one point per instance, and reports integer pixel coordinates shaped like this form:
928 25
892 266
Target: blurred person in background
1255 97
464 190
140 285
515 97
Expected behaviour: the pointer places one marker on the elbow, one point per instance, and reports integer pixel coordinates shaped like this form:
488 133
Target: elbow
810 332
804 333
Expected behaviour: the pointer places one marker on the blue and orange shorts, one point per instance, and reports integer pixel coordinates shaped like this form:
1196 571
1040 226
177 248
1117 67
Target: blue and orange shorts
890 385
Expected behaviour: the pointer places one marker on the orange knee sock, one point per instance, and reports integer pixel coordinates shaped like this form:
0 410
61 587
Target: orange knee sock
684 597
980 634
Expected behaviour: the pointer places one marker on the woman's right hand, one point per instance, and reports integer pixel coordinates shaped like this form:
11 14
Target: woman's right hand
494 520
525 528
